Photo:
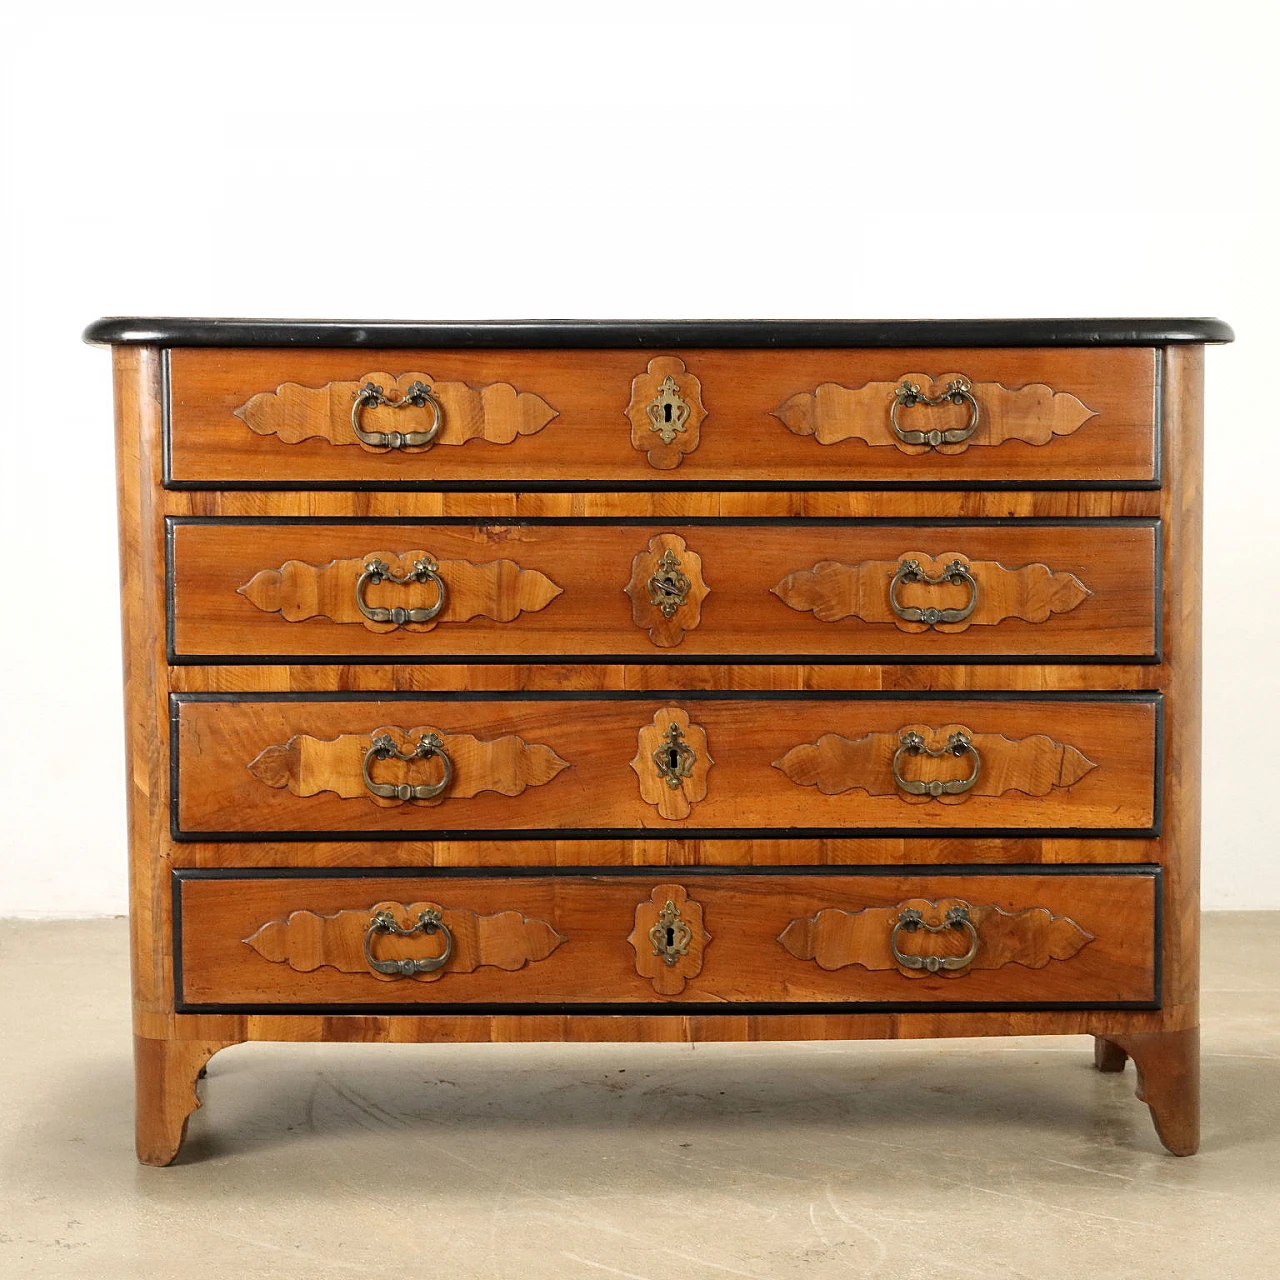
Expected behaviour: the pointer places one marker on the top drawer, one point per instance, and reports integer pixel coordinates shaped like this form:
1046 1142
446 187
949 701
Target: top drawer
696 419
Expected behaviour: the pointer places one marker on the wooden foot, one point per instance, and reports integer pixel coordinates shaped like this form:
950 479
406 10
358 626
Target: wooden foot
165 1074
1168 1066
1107 1055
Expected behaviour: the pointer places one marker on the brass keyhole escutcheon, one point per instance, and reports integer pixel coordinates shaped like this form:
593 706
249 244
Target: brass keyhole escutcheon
666 589
669 938
674 757
671 935
671 763
668 411
665 411
668 586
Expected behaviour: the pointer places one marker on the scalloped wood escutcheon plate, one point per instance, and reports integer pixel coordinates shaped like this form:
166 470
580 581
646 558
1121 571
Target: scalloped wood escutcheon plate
669 939
835 764
306 941
497 412
1034 413
497 589
832 590
666 631
834 938
666 412
674 787
307 766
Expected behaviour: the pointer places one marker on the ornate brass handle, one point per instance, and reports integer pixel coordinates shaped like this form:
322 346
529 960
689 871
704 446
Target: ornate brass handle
912 744
419 395
384 748
429 922
910 920
955 572
376 571
959 391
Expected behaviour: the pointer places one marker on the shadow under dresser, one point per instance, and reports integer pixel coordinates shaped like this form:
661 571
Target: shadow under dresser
661 681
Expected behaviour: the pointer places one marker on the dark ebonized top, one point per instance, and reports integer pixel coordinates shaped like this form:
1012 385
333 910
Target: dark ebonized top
179 331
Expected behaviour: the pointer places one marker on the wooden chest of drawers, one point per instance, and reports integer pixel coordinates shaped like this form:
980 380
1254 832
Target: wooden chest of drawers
661 681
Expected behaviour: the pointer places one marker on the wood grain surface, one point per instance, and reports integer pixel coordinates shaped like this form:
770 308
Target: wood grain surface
584 590
833 591
1033 414
666 589
672 762
666 412
738 439
591 439
1033 937
742 961
499 590
669 938
311 940
306 766
495 412
995 764
218 741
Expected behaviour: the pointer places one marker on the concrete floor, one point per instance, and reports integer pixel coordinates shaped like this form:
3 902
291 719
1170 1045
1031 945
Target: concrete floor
925 1159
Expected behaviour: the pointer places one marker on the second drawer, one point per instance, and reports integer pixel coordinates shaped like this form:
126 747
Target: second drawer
760 591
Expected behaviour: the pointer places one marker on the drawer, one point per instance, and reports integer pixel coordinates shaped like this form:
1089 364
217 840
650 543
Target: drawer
781 590
485 420
338 766
1065 937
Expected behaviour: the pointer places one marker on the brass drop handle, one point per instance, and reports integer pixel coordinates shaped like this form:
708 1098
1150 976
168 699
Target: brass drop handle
911 919
959 391
956 573
429 922
384 748
376 571
912 744
418 396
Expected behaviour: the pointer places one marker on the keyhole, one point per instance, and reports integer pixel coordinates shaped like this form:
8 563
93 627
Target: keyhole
666 413
673 763
671 938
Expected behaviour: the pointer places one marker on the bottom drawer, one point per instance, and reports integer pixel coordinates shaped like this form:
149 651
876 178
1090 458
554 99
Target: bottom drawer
636 943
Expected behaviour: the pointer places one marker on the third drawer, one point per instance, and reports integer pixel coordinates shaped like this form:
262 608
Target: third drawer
342 766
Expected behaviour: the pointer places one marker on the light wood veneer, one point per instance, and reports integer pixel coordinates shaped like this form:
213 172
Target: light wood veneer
263 591
787 860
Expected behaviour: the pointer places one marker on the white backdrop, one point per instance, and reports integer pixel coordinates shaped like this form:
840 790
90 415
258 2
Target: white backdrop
625 160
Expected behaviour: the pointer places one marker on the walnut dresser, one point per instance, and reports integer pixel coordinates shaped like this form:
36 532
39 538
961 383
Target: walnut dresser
661 681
